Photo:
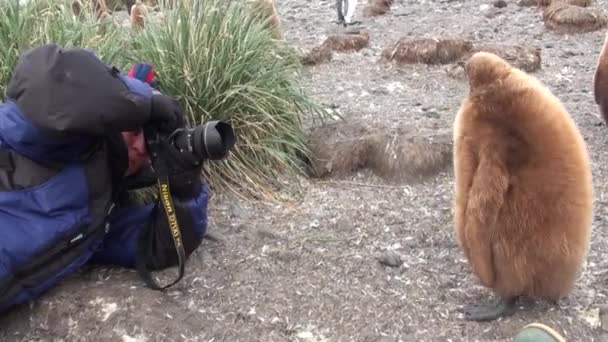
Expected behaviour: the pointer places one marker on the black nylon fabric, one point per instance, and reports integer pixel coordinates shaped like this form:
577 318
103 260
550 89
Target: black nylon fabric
72 91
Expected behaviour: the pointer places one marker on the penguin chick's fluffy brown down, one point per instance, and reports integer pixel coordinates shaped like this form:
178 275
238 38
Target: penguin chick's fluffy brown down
523 187
600 81
139 11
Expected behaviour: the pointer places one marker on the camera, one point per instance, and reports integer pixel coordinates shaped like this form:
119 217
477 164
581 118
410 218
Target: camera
211 140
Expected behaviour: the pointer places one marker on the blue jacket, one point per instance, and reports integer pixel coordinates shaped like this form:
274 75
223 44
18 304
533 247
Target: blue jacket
62 194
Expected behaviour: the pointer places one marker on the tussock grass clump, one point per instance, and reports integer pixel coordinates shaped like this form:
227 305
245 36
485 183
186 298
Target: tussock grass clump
317 55
567 19
348 41
522 57
545 3
222 62
426 51
377 7
34 23
404 154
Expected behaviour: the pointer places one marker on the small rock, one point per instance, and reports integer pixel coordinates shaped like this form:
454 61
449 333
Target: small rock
380 91
432 115
283 255
345 224
266 234
491 13
390 259
214 236
239 212
604 323
500 3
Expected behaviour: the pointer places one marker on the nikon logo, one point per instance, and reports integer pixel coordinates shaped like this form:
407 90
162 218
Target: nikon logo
173 225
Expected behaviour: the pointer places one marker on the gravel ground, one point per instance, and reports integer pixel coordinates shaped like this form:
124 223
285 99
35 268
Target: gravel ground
316 270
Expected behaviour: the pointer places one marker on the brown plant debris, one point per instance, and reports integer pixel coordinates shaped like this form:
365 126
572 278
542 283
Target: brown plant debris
339 149
545 3
318 55
527 59
580 3
427 50
377 7
564 18
349 41
405 154
410 156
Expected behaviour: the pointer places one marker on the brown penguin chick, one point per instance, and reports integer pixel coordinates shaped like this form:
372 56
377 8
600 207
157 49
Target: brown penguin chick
138 13
267 9
600 81
523 187
101 8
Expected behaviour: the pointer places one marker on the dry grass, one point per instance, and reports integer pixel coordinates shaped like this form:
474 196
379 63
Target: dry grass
339 150
564 18
427 51
545 3
377 7
349 41
409 156
527 59
342 42
318 55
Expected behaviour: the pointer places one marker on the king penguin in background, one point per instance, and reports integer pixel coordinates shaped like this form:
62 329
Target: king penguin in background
346 10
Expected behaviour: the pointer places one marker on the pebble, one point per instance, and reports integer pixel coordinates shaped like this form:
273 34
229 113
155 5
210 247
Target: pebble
390 259
500 3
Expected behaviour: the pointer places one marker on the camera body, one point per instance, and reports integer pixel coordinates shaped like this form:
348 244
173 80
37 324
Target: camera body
187 147
211 140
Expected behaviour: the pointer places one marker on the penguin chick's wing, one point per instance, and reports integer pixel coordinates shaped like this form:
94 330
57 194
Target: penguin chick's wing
486 197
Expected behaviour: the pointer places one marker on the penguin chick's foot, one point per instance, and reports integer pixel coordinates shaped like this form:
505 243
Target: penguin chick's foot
489 312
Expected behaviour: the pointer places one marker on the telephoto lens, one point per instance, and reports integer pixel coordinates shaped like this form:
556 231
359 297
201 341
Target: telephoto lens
211 140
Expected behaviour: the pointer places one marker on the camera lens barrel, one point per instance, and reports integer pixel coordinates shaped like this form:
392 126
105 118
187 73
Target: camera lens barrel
212 140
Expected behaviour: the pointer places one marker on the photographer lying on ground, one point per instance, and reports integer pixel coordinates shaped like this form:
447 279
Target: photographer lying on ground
71 144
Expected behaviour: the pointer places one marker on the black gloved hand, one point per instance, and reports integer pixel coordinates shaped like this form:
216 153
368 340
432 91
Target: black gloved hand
166 113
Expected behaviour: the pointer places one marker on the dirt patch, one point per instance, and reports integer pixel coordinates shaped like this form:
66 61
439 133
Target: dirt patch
427 51
402 154
377 7
564 18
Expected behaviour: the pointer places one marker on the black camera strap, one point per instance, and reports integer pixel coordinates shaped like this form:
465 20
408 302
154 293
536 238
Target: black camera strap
166 200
